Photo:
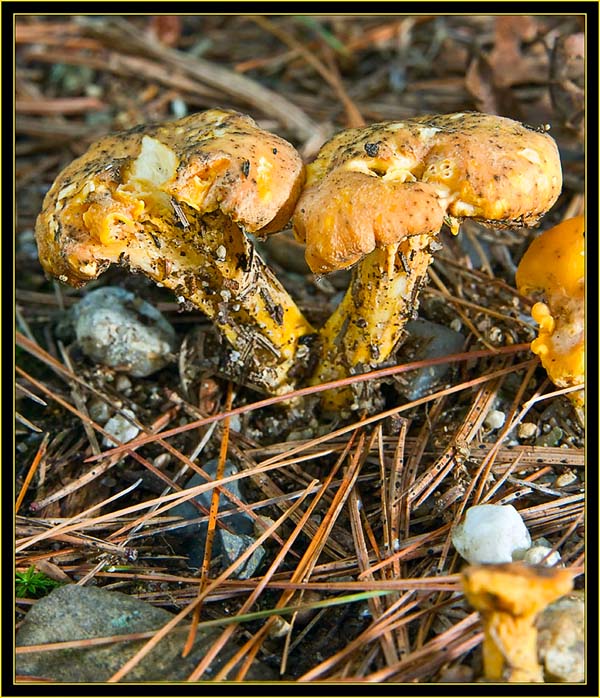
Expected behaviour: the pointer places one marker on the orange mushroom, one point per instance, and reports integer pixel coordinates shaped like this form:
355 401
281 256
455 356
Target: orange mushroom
173 201
376 198
509 597
554 266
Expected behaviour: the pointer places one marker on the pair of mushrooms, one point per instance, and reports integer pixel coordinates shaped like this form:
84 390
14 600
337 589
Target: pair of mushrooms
175 201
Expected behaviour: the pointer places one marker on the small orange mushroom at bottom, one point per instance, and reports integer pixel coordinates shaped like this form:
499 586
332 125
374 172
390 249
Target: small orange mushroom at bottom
509 597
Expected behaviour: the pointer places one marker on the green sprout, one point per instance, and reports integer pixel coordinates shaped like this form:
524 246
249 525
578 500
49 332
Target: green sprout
33 584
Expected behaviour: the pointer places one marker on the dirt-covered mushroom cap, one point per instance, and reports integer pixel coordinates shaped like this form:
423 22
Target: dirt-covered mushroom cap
215 160
477 165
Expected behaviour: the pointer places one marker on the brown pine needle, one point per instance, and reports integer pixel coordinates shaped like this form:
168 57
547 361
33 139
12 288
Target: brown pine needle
212 524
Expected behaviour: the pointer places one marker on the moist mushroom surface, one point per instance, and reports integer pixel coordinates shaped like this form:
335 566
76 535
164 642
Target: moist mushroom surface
376 198
554 267
173 201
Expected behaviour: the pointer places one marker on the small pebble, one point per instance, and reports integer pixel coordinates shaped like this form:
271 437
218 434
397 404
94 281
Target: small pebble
495 336
233 546
162 460
461 673
538 555
566 478
99 410
491 533
116 328
258 529
119 427
123 384
179 108
526 430
279 627
494 419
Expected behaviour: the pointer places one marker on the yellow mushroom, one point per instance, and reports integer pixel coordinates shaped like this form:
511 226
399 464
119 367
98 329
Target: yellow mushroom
554 266
376 198
509 597
174 201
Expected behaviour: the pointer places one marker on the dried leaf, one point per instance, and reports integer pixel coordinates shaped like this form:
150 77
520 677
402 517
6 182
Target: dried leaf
510 60
491 97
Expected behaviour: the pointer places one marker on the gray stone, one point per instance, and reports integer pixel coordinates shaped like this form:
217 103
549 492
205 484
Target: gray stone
426 340
74 612
116 328
231 543
234 546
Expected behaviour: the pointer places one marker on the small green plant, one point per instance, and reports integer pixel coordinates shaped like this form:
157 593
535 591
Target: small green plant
33 584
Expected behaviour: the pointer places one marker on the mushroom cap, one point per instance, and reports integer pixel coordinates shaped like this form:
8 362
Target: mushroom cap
354 214
555 260
217 160
478 165
514 588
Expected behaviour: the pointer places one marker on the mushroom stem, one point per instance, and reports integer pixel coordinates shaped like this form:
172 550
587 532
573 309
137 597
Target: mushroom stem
212 264
369 321
509 597
232 286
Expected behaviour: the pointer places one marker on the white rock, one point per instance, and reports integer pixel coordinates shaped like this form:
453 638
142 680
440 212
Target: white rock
119 427
495 419
536 555
491 533
538 551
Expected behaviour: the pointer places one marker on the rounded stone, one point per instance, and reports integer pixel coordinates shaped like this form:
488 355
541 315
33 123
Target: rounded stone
116 328
491 533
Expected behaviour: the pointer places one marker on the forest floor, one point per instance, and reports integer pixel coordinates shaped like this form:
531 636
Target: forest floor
367 501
